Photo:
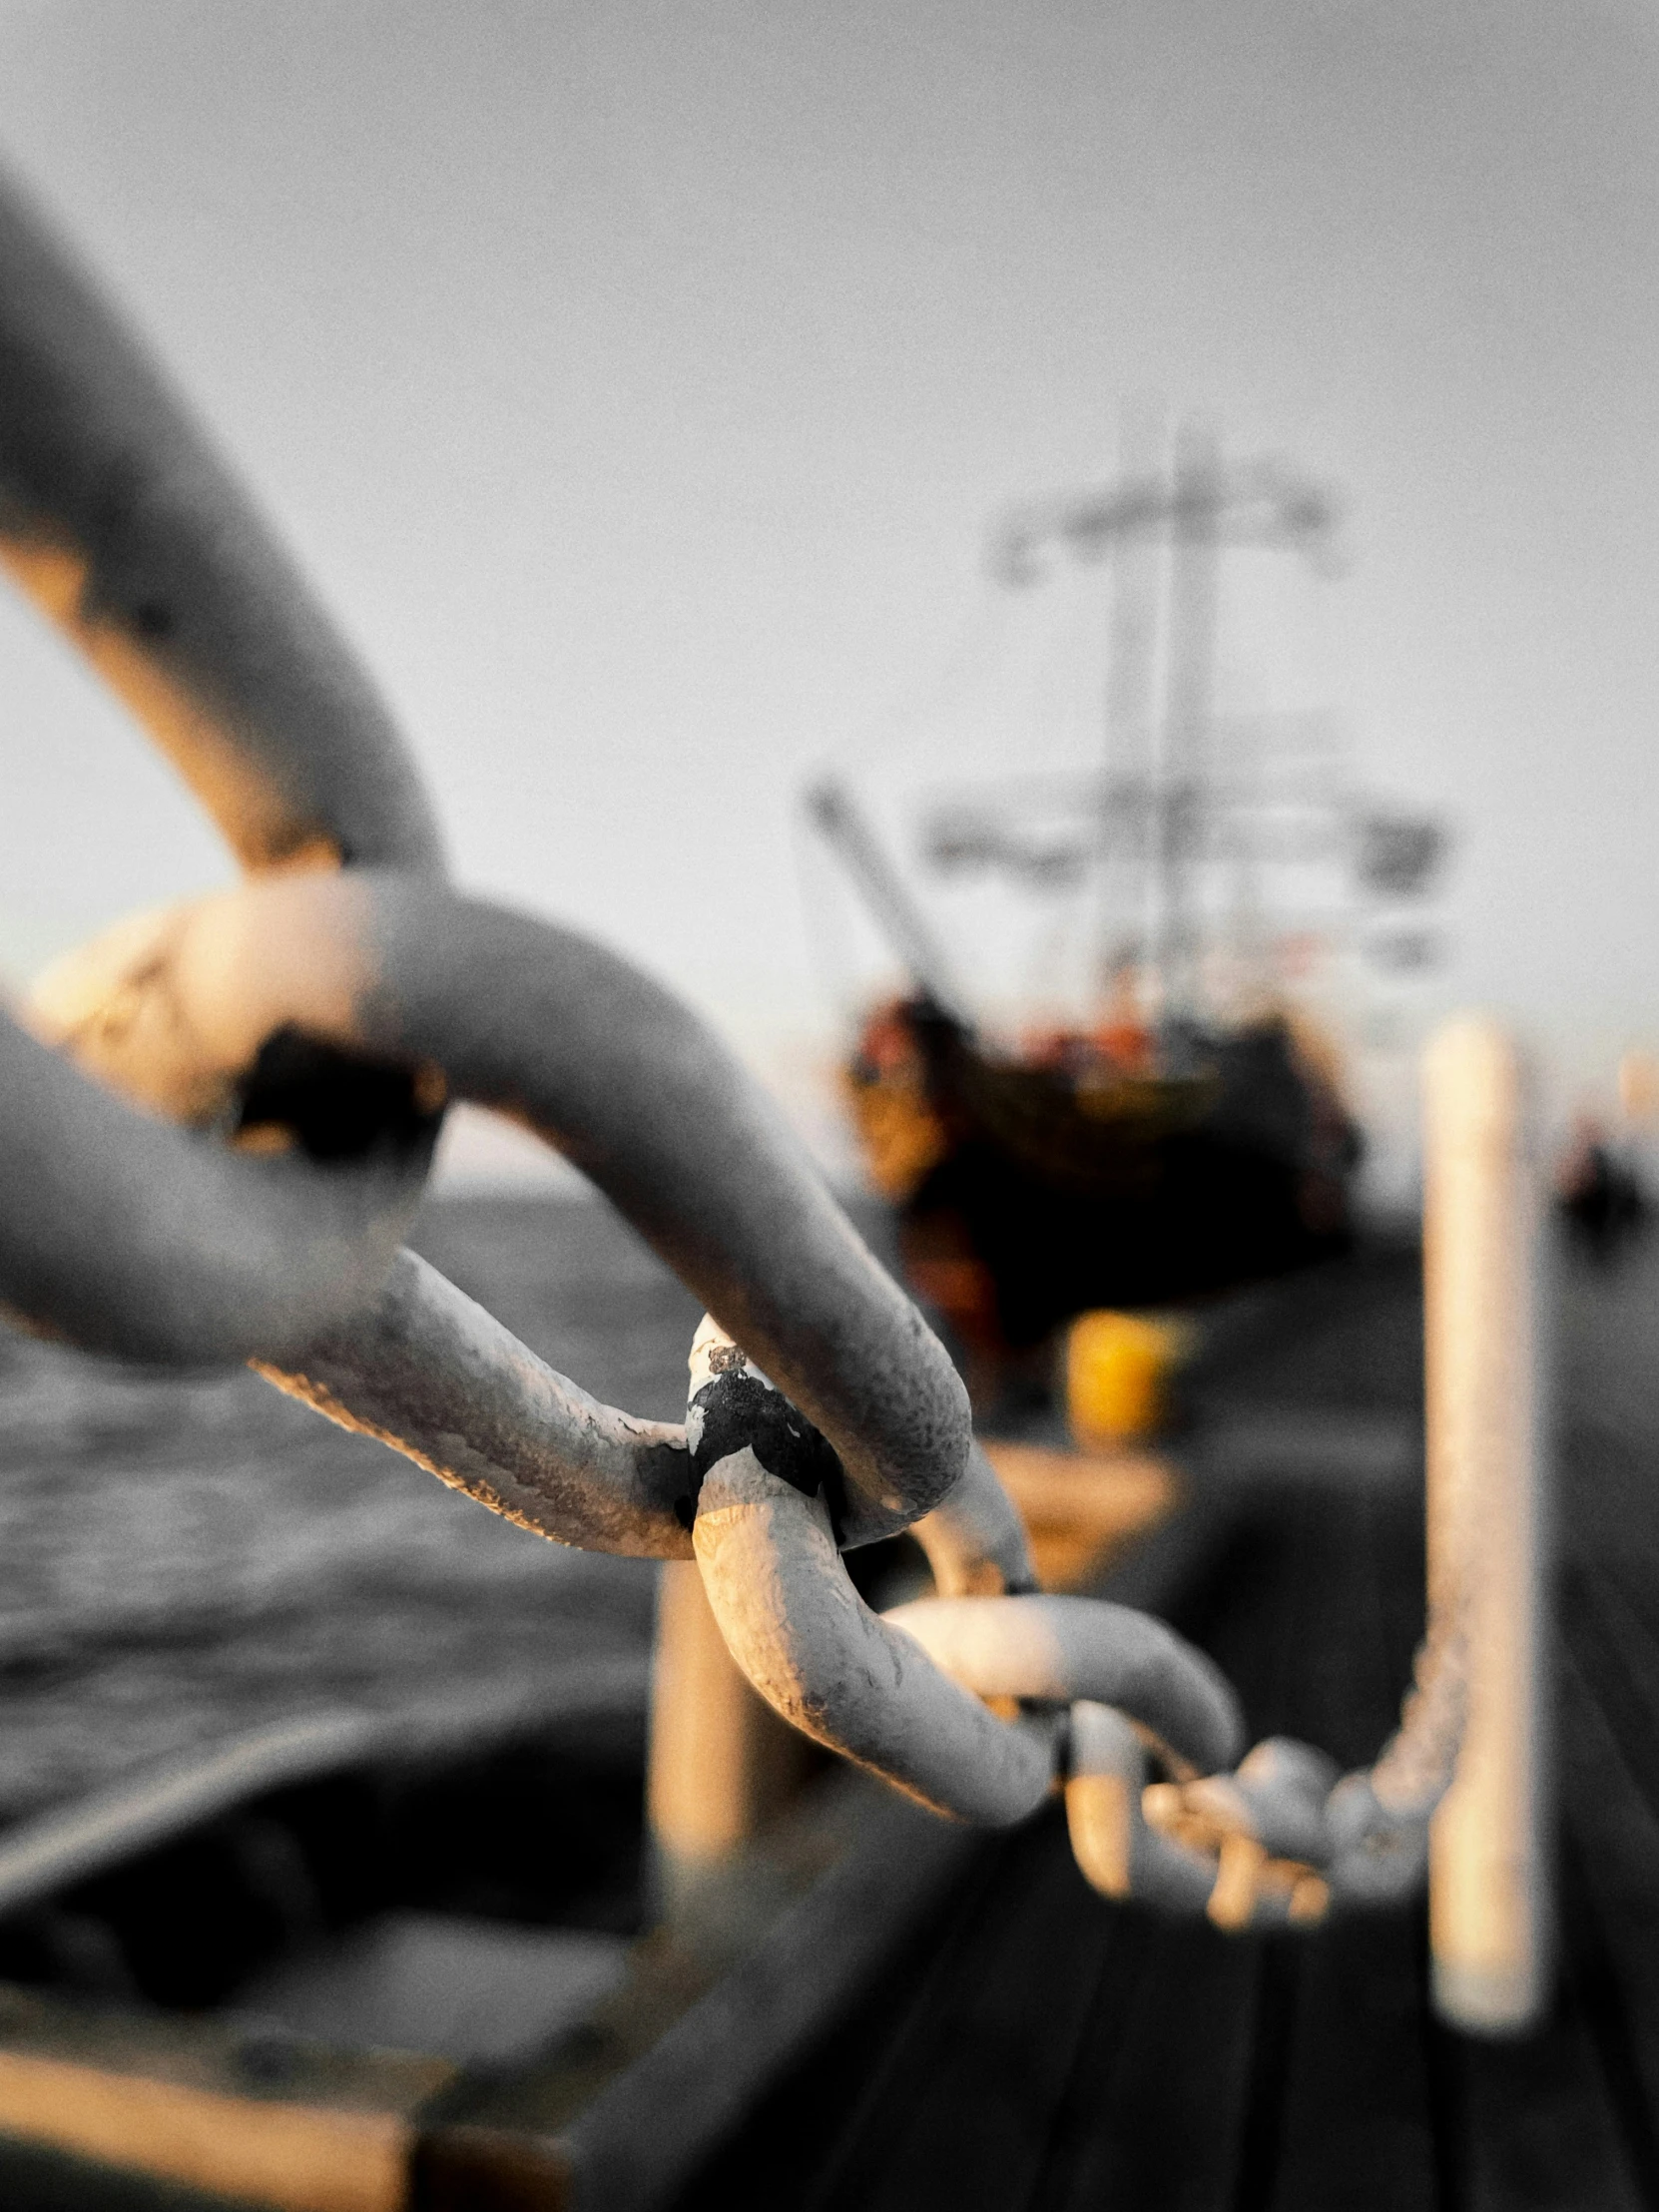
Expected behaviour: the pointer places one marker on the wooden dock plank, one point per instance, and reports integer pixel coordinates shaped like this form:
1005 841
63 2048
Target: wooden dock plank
969 2103
1156 2107
1558 2119
794 2139
1358 2127
1541 2133
1610 1903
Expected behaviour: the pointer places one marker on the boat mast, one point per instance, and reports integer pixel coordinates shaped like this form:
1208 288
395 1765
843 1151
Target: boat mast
1184 515
1126 813
1180 790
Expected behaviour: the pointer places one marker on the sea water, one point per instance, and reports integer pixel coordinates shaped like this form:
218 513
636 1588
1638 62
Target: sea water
186 1557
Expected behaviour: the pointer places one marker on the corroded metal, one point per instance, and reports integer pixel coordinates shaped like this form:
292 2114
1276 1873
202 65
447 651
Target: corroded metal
228 1172
126 1235
117 517
974 1540
435 1375
832 1668
907 1694
546 1025
1055 1650
1078 1693
122 523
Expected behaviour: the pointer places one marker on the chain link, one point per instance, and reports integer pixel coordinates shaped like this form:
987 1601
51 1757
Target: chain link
219 1120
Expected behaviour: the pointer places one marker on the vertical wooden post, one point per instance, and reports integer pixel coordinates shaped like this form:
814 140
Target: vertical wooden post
1481 1252
721 1763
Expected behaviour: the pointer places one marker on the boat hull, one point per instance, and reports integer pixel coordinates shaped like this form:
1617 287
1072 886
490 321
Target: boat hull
1038 1192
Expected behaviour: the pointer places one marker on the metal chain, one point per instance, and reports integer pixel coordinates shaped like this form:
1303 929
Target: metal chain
219 1120
1065 1692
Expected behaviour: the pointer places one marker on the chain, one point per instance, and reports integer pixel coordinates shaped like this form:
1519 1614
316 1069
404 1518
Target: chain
219 1120
981 1704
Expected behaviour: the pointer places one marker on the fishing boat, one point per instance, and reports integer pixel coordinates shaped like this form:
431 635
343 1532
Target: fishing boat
1186 1129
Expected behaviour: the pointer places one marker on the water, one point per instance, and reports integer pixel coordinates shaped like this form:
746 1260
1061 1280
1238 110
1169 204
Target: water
183 1557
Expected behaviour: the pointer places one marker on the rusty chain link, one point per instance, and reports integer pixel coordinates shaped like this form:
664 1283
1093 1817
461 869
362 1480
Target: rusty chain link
219 1120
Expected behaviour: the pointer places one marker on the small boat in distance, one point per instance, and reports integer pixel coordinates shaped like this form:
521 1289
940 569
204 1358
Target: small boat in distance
1190 1132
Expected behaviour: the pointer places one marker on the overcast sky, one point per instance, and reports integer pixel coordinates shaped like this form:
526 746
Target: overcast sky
636 382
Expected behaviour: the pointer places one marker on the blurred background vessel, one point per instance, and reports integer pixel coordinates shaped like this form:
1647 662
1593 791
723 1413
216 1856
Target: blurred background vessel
1160 1108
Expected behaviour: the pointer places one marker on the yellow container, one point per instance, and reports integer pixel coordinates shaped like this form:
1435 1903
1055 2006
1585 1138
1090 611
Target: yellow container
1118 1367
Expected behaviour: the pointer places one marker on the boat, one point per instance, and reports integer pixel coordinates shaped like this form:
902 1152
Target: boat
1188 1131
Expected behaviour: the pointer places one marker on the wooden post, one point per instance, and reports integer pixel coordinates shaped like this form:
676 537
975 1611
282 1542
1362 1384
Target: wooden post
721 1763
1481 1251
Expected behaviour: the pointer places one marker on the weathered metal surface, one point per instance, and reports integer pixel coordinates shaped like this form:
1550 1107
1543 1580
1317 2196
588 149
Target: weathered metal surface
321 1017
975 1539
1055 1650
906 1694
122 523
227 970
1118 1851
818 1654
1080 1509
332 1016
544 1024
124 1235
433 1375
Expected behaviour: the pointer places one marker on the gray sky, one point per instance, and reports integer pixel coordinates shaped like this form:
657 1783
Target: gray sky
637 381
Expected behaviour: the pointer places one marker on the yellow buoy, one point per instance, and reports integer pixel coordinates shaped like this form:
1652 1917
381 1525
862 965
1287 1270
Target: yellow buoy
1118 1367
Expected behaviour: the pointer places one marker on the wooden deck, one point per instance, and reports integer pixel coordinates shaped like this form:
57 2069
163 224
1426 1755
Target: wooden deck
1039 2051
943 2020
